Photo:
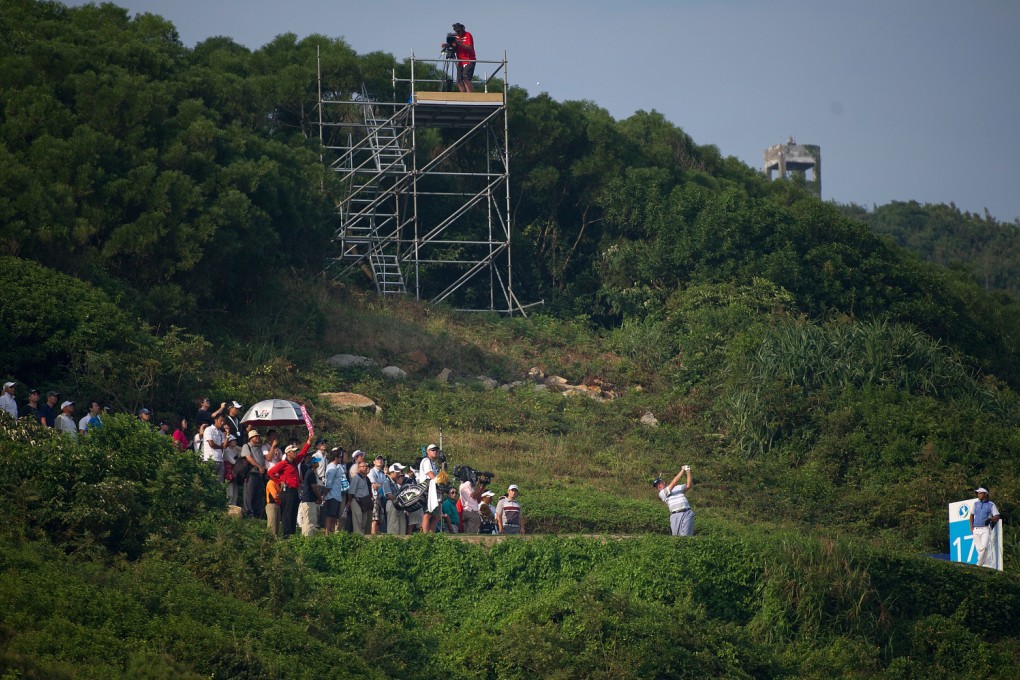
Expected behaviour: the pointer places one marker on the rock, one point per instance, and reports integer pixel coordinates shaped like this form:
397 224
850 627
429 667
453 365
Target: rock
349 361
505 387
418 359
541 388
555 381
394 372
235 511
536 374
649 420
351 401
444 375
487 382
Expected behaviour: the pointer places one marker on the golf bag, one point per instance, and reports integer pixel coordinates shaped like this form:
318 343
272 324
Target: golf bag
412 497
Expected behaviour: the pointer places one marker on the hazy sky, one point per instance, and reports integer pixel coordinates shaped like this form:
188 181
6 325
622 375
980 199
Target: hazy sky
908 99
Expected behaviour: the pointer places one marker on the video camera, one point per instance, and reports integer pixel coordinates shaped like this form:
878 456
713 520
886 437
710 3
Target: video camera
466 473
450 46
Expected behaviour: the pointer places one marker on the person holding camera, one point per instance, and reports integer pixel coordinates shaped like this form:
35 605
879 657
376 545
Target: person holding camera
983 518
681 517
463 45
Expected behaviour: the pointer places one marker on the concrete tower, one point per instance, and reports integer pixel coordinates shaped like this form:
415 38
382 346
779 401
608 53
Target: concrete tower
793 158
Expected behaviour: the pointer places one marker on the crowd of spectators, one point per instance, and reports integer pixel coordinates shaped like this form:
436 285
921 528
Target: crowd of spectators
297 485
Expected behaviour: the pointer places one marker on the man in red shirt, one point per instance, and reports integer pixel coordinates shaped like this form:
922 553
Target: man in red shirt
465 58
287 475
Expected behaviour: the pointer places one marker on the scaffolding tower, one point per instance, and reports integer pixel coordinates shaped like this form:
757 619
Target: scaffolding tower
435 226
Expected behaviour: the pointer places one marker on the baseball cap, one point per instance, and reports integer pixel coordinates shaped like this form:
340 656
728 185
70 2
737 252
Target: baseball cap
235 404
397 467
513 487
338 449
66 404
487 493
657 481
9 384
432 447
357 453
981 489
253 433
316 458
290 449
145 410
52 394
33 391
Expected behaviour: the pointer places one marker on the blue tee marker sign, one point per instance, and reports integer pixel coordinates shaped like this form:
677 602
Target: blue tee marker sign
961 542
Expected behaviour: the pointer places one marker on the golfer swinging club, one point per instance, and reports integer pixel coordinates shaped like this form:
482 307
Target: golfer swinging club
681 517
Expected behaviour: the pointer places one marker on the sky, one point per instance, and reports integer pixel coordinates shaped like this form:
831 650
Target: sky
908 99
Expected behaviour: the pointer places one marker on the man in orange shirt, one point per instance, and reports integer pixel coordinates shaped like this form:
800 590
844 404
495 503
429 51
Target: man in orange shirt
465 57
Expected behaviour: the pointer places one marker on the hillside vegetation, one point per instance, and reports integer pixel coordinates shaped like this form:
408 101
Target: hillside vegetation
163 219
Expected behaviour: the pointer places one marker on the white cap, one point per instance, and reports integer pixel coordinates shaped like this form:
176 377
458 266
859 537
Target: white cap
432 447
291 449
397 467
486 494
357 453
981 489
253 433
235 404
9 384
513 487
66 404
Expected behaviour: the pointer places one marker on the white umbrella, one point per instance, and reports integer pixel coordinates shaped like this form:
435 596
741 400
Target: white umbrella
274 412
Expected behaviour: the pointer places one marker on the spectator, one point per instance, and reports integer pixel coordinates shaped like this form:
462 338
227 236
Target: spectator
32 407
508 513
47 416
7 402
230 456
450 517
396 520
286 474
203 415
145 415
356 459
181 435
427 471
214 441
254 451
275 453
164 428
65 421
310 496
486 515
361 502
377 475
233 421
469 499
335 486
91 419
273 506
197 443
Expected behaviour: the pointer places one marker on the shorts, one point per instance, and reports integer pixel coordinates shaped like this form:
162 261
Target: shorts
465 72
332 508
379 509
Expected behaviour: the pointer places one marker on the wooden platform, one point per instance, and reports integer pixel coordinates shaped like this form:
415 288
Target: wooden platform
454 109
483 98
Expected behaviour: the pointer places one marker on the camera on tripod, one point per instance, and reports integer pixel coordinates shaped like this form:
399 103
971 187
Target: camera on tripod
449 47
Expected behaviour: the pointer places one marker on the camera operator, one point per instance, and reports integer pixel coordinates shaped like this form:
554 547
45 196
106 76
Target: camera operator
470 497
983 518
464 48
681 517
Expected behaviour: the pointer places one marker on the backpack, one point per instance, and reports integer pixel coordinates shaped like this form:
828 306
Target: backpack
412 497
